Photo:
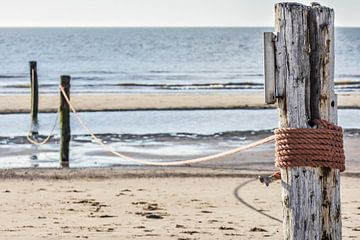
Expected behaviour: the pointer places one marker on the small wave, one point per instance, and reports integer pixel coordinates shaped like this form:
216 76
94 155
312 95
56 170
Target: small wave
159 71
87 78
111 137
252 75
17 86
11 76
347 86
346 83
101 72
244 85
348 76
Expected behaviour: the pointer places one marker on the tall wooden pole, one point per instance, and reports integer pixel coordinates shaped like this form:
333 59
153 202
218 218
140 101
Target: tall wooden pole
304 51
34 97
64 123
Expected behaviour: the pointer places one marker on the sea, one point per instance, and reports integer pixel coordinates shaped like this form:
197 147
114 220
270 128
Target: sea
148 60
156 60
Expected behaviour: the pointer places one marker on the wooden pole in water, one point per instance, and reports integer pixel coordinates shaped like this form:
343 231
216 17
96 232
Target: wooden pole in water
64 123
305 90
34 97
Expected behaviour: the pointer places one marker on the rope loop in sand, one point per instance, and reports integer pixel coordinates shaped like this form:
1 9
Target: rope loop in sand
35 142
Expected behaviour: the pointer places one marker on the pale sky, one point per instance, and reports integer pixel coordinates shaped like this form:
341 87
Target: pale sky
157 12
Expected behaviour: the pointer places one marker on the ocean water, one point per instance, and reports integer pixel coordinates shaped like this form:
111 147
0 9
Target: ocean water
136 60
172 123
150 135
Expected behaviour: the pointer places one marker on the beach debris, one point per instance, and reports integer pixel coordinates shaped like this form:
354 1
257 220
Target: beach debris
7 191
213 221
234 234
140 227
154 216
195 200
107 216
139 203
75 191
190 232
152 207
226 228
85 201
257 229
151 210
205 211
179 226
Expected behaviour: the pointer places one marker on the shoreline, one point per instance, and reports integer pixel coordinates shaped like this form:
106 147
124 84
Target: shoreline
87 159
137 172
137 102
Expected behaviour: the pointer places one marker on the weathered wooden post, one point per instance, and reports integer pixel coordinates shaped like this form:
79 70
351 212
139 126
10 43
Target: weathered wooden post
34 98
304 59
64 122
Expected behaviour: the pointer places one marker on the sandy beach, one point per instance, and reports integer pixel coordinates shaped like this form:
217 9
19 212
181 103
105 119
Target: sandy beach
221 199
108 204
112 102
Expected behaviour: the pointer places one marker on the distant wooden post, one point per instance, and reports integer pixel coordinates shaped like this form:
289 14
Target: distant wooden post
64 123
304 51
34 98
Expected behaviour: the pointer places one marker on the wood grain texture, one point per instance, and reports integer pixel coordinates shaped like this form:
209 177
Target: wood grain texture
305 80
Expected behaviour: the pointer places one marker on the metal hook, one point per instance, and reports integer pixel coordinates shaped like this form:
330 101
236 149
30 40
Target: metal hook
269 179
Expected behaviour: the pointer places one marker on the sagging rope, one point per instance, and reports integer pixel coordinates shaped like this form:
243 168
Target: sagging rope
169 163
314 147
29 135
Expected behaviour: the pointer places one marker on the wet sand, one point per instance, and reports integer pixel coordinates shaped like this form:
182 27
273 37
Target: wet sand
112 102
162 207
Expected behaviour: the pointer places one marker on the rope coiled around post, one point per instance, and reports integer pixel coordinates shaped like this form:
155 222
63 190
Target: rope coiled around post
311 147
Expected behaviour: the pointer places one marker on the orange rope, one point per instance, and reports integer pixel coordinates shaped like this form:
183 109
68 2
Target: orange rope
320 147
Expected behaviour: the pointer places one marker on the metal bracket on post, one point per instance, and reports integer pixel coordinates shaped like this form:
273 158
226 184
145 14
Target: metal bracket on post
269 67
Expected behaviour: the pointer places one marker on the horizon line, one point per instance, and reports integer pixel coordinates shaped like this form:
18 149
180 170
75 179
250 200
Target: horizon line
149 26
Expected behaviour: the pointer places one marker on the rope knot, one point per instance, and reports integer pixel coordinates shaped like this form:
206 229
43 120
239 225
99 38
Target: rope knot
311 147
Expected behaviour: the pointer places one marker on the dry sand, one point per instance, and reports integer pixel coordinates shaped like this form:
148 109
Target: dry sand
88 204
97 102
